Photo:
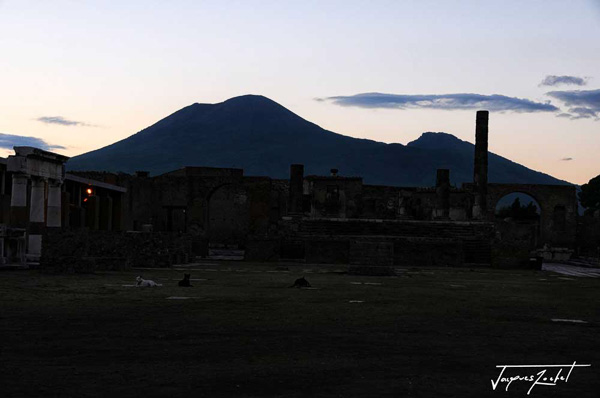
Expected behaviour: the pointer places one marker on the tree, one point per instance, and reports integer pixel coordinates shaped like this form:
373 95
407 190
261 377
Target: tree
590 194
517 211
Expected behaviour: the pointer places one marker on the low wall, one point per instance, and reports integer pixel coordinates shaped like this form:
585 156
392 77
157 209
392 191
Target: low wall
386 243
87 251
513 244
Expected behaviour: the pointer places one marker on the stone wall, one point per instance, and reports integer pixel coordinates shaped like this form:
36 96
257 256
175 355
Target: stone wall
216 205
87 251
376 253
558 209
589 236
338 197
5 209
389 203
386 243
222 206
513 244
381 201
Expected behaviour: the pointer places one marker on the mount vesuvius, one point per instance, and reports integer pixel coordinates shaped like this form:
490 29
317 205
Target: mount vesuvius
263 138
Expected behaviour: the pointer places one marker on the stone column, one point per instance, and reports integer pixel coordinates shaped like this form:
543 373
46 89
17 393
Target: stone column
18 201
442 192
401 206
404 207
296 188
106 213
92 212
480 165
65 204
36 218
117 214
54 219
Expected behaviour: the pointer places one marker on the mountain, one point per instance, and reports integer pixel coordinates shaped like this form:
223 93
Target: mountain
264 138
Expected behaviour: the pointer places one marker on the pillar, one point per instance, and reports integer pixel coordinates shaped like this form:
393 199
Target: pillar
296 188
54 218
92 212
65 205
36 218
480 165
442 193
117 212
106 213
18 201
401 206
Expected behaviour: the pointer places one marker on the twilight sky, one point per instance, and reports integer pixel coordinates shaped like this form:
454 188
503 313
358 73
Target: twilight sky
79 75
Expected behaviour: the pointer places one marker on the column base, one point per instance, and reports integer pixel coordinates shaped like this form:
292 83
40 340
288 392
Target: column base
34 248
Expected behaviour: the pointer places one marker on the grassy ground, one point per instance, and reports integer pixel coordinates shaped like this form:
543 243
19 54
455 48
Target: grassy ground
428 332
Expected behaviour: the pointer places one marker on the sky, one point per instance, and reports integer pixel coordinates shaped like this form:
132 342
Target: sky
79 75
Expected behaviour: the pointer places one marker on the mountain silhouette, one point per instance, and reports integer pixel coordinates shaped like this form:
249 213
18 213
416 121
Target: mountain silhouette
262 137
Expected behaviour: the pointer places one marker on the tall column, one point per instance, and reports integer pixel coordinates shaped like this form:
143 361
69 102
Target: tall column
36 218
296 188
54 204
480 165
442 192
18 201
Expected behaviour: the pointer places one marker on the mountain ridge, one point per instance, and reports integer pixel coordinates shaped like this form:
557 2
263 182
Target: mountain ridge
263 137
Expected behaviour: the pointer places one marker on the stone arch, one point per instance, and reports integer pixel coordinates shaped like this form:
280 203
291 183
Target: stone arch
227 213
497 195
516 228
557 230
496 207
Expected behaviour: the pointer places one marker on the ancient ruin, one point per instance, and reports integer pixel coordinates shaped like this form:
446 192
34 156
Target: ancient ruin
205 212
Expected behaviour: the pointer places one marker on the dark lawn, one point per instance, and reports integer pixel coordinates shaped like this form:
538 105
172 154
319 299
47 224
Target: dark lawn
426 333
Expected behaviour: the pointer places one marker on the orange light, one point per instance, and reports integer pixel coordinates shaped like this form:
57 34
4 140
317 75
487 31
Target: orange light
89 191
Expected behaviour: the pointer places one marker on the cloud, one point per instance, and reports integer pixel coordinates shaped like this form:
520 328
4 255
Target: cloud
8 141
493 102
552 80
62 121
584 104
566 159
583 113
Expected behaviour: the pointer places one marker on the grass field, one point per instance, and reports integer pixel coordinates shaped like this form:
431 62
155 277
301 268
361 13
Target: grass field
243 333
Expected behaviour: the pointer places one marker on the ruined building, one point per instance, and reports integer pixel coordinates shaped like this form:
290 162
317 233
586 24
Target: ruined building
37 196
317 219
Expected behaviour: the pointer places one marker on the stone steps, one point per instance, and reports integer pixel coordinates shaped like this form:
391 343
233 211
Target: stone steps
477 251
472 238
424 229
226 254
586 262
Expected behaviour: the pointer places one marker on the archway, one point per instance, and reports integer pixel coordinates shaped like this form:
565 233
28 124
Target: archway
227 217
558 204
518 206
517 216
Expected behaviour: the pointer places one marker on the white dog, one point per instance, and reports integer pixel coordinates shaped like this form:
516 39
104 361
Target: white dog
141 282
